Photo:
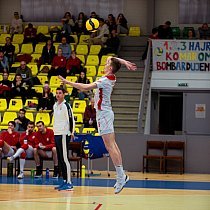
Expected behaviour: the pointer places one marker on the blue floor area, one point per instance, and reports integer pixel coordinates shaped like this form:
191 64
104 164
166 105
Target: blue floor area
152 184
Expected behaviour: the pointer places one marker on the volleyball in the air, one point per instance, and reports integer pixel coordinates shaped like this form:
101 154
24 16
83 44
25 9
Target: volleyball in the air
92 24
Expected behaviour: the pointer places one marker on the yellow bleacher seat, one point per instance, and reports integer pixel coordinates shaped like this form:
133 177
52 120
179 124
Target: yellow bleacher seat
94 49
35 57
28 101
79 106
134 31
56 47
3 104
15 104
30 116
72 46
1 77
17 48
39 47
82 58
8 116
43 29
91 71
82 49
75 39
92 60
43 116
3 37
76 130
69 90
88 130
90 79
100 71
78 118
53 90
38 89
17 39
42 78
96 134
83 38
26 49
103 60
11 75
71 78
55 81
34 68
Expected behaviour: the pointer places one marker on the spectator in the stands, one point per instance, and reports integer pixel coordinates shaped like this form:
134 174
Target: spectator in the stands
122 24
21 121
68 23
73 65
48 52
111 23
5 87
101 35
154 35
80 24
47 100
204 31
66 48
18 88
4 65
190 34
25 73
58 65
165 31
94 15
111 46
90 116
16 24
9 50
30 35
78 93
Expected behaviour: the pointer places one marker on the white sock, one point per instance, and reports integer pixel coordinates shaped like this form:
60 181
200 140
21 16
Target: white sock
22 163
120 171
18 153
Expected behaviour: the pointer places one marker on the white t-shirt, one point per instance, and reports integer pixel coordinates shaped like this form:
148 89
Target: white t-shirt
103 92
61 119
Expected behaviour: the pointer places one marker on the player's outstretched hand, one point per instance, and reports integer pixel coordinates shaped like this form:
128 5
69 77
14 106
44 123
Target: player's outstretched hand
130 66
63 80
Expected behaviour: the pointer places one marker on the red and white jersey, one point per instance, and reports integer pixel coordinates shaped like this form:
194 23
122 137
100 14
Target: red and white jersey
11 139
31 138
103 92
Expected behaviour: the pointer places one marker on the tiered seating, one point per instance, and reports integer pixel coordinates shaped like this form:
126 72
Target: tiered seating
26 49
17 39
15 105
82 49
134 31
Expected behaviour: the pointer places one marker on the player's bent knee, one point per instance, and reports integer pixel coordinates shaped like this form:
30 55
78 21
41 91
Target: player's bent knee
54 149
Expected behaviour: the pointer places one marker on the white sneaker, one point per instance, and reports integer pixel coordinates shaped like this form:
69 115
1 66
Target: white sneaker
21 175
120 184
10 159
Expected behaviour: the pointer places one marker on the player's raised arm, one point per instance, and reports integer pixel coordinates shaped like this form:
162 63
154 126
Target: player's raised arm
129 65
80 86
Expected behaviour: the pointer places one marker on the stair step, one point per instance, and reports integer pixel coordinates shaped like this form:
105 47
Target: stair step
126 110
125 86
127 97
131 80
131 53
125 130
125 117
133 41
126 91
132 48
138 73
125 103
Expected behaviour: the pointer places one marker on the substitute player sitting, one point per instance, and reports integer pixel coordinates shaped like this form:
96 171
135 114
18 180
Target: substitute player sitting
9 140
104 113
27 142
45 146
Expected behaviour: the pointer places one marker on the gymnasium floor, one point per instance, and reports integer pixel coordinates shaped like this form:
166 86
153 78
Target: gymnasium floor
143 191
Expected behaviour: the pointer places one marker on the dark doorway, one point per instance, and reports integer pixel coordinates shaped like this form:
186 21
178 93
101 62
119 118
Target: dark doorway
170 113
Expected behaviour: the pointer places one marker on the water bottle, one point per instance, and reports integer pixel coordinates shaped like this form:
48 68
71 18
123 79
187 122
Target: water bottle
10 169
83 171
47 173
32 173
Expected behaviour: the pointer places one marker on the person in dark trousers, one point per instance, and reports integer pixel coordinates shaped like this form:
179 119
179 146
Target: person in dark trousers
63 130
21 121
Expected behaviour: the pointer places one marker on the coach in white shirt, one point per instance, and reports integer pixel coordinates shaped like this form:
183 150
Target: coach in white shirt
63 130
